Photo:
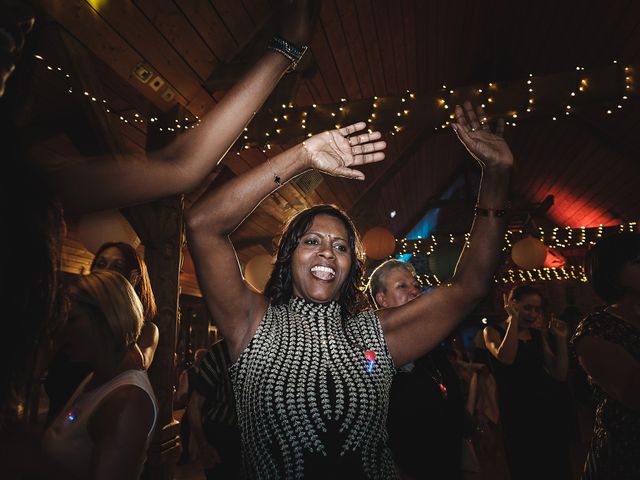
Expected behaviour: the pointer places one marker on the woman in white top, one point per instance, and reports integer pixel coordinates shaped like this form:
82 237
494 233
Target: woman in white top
104 430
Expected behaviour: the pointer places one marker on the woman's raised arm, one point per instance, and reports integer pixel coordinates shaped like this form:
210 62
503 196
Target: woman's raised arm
416 327
236 308
504 348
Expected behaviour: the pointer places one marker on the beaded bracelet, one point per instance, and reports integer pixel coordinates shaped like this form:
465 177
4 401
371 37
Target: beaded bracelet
293 52
490 212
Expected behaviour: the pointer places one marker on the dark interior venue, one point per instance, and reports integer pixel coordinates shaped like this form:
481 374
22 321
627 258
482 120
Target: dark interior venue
320 239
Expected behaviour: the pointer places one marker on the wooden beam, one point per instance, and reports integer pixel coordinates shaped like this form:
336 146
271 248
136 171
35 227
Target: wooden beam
227 73
264 242
620 149
413 140
121 36
160 226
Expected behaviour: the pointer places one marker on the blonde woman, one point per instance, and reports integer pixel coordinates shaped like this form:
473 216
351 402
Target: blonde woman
105 428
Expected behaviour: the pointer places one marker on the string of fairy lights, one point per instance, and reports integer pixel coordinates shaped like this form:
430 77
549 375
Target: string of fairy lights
558 237
513 276
127 116
395 114
565 237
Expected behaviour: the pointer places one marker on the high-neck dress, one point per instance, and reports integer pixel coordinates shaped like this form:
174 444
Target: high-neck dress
311 398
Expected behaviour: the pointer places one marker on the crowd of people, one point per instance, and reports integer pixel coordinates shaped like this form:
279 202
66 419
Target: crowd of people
312 379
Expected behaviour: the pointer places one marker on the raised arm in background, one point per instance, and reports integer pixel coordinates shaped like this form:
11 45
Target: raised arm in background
504 348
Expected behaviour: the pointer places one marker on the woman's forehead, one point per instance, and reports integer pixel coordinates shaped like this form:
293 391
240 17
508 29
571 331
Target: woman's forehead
112 252
399 274
532 299
328 225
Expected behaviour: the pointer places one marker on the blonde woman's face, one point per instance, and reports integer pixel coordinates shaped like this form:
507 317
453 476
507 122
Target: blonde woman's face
82 339
400 287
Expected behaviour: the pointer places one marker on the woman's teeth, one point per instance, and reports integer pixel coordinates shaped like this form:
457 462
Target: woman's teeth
323 273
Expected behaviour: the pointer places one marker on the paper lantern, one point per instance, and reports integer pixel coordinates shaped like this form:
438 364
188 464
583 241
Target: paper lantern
529 253
107 226
258 270
443 261
379 243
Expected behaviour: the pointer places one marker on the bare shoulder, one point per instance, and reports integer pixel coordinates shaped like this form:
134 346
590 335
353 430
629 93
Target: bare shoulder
491 334
151 329
490 330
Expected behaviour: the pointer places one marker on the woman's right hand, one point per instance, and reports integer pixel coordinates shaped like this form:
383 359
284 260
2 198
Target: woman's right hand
510 307
335 152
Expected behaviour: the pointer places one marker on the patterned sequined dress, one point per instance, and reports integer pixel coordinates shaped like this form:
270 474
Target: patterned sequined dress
311 401
615 445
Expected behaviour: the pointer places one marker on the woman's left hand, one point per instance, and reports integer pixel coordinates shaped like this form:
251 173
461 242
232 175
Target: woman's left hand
488 148
335 152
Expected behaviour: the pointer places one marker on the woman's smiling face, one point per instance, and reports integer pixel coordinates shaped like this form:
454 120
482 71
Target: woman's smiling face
322 260
530 308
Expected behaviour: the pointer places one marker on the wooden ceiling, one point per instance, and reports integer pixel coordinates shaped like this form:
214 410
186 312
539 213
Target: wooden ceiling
360 49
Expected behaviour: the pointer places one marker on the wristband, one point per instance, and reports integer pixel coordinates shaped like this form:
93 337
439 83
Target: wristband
293 52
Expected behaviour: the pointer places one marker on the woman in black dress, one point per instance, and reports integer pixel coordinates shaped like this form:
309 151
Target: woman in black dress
531 377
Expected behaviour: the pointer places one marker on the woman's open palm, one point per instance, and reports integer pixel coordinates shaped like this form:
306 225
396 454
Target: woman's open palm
335 152
472 128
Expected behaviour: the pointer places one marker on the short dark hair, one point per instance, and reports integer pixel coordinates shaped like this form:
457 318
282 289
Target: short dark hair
604 262
279 288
